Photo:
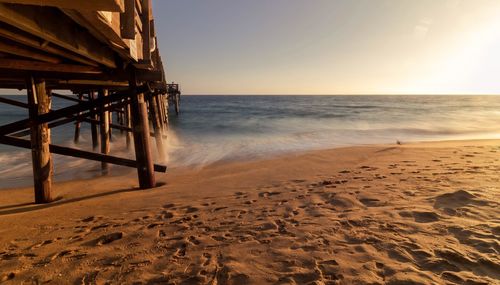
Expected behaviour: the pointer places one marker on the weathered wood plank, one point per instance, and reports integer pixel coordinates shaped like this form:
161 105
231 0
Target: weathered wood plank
127 20
31 41
53 26
146 32
38 66
104 83
18 50
106 31
91 5
116 77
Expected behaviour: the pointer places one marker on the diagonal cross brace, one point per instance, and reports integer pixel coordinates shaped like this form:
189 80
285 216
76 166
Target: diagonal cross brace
69 111
66 151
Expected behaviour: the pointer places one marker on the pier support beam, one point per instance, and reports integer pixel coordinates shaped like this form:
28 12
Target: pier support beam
140 126
78 124
93 125
154 110
39 103
105 131
128 124
177 103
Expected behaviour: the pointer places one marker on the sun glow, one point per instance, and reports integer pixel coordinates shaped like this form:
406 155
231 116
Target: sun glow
335 47
471 66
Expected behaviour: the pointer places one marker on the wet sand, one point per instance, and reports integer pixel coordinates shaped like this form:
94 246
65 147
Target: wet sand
423 213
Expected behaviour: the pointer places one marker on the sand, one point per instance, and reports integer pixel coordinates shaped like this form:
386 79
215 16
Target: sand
423 213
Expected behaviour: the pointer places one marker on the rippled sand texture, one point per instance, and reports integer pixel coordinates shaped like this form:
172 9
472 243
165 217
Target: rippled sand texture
412 214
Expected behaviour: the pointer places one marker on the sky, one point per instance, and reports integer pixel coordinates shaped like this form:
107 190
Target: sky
331 46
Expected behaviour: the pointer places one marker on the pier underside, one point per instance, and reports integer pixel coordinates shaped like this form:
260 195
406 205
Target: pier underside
104 57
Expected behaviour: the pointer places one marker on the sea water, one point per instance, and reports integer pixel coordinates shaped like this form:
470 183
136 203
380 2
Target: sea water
223 128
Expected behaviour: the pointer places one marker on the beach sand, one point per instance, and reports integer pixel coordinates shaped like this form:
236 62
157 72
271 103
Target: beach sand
422 213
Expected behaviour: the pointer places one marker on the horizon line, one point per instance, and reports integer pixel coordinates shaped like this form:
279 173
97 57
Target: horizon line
360 94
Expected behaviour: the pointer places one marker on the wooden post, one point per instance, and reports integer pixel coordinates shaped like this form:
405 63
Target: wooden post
140 124
78 124
127 20
165 107
104 127
93 124
110 121
121 118
146 31
39 103
155 118
128 124
159 107
162 103
177 103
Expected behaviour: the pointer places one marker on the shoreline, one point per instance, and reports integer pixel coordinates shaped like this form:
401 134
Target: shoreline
122 171
380 214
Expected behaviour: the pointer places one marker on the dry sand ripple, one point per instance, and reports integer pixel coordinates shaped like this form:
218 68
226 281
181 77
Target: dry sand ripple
416 214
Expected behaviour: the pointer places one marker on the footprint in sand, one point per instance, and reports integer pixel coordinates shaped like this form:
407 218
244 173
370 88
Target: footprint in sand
206 258
240 214
162 233
9 256
240 195
40 244
105 239
180 251
371 202
268 194
7 276
88 219
165 215
425 217
219 209
218 238
191 209
169 206
154 225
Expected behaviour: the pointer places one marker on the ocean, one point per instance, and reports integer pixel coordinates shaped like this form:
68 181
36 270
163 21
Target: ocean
224 128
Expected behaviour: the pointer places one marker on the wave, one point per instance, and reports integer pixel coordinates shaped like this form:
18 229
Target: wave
213 129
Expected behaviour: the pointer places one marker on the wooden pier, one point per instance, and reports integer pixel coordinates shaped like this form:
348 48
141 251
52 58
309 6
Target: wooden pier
103 55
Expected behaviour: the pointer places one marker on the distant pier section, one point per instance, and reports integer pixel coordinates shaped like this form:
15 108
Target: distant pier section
106 54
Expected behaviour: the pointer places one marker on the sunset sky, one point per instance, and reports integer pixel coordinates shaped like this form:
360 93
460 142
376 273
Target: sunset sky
331 46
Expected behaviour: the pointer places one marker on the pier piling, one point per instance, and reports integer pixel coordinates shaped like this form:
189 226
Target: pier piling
140 126
104 130
39 104
155 119
78 124
93 125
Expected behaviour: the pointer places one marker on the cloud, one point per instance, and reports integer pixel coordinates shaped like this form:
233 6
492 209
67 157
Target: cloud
453 4
422 29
